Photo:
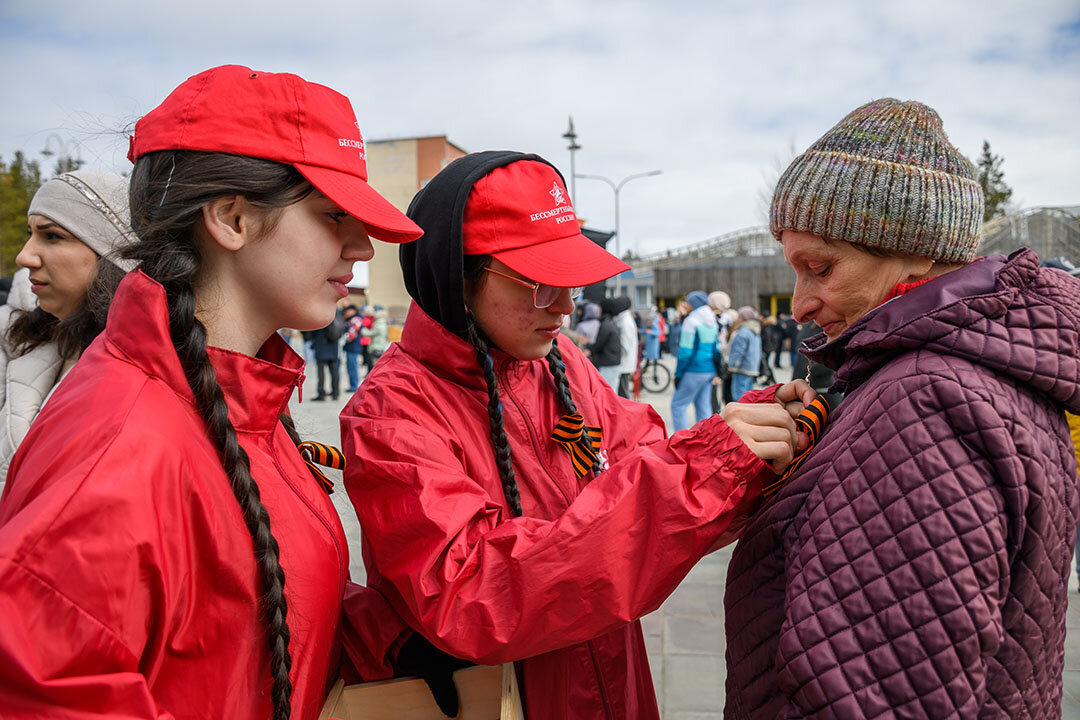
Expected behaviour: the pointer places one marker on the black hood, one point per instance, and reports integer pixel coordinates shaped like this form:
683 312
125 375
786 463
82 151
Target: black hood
615 305
433 266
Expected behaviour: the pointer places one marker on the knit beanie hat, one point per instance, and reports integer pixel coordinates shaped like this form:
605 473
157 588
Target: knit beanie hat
885 176
747 312
719 300
697 298
92 206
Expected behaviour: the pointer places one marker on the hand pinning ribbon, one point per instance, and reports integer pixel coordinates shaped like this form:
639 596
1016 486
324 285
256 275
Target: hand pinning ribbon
316 454
812 422
580 440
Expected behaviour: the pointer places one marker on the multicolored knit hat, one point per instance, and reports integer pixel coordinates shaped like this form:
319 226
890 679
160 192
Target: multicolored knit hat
885 176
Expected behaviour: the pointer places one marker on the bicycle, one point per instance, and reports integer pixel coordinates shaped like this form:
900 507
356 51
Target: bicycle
655 377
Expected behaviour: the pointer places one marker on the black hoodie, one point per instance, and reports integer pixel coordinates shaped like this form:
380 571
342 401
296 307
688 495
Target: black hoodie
433 265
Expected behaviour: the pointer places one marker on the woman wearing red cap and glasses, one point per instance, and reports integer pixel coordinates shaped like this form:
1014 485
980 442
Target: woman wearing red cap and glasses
164 550
514 509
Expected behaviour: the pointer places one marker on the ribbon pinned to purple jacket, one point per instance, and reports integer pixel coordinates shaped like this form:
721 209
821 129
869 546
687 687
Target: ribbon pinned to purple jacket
811 421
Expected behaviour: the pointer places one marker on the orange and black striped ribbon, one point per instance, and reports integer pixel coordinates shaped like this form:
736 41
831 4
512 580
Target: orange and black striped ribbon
316 454
580 440
812 422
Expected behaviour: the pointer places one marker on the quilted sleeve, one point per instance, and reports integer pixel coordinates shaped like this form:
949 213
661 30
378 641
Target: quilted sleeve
897 561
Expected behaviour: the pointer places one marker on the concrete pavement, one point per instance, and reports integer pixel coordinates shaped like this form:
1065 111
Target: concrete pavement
685 637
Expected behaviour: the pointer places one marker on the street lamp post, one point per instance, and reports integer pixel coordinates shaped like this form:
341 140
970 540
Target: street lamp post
572 147
616 187
64 149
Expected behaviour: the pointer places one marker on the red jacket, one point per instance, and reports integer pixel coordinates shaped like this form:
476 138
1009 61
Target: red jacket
562 587
128 585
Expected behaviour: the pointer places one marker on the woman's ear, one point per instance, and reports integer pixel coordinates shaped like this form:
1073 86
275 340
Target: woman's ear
228 221
918 267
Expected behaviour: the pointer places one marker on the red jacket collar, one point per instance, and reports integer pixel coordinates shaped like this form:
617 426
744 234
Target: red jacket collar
257 389
449 356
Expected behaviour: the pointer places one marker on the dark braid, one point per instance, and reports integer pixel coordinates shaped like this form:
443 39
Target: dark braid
189 336
499 441
168 191
562 387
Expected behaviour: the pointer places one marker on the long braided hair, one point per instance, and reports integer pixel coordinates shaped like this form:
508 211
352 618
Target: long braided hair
473 271
168 191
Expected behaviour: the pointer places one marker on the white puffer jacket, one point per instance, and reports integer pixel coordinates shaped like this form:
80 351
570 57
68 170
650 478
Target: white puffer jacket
27 380
628 337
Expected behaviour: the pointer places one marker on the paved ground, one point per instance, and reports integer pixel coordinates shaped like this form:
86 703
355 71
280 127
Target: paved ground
685 637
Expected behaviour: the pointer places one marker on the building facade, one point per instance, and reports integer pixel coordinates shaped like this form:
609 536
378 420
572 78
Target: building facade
747 264
397 169
1049 231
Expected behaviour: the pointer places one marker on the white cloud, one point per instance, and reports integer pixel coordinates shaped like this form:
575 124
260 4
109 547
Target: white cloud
711 93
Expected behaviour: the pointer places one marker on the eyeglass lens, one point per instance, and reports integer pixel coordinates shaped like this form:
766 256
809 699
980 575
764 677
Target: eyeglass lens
546 295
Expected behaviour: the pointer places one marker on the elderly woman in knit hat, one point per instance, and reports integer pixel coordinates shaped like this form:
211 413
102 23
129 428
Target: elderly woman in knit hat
695 368
915 564
77 223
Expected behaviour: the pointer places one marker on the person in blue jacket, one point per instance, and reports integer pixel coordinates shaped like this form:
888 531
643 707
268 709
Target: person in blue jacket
695 369
744 362
652 335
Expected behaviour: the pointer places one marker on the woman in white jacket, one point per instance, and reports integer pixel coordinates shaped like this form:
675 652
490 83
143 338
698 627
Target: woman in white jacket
76 223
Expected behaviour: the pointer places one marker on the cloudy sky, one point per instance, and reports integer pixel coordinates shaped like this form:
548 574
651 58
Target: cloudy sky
715 94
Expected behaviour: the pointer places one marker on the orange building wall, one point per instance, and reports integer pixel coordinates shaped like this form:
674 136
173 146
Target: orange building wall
397 169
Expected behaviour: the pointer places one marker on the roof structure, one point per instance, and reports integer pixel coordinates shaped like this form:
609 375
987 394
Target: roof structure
1049 231
747 242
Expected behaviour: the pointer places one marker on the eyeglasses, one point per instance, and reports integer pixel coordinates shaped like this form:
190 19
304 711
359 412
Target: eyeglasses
543 295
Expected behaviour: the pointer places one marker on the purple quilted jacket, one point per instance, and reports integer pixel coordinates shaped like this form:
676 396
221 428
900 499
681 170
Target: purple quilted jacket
916 565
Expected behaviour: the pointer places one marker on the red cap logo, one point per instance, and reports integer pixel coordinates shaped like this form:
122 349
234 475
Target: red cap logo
520 214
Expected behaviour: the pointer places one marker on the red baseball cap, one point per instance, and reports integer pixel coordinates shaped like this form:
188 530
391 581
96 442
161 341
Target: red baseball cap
521 214
280 117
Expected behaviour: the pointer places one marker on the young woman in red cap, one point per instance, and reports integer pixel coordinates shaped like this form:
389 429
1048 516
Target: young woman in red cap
164 550
515 509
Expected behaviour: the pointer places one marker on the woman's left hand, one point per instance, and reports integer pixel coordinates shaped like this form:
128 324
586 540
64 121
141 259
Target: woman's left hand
795 396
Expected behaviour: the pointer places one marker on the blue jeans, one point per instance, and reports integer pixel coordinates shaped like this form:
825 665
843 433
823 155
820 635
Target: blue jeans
739 384
611 374
694 388
352 366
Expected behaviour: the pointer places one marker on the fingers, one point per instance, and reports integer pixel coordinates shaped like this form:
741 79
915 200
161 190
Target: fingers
760 415
796 391
794 409
781 464
766 429
769 433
